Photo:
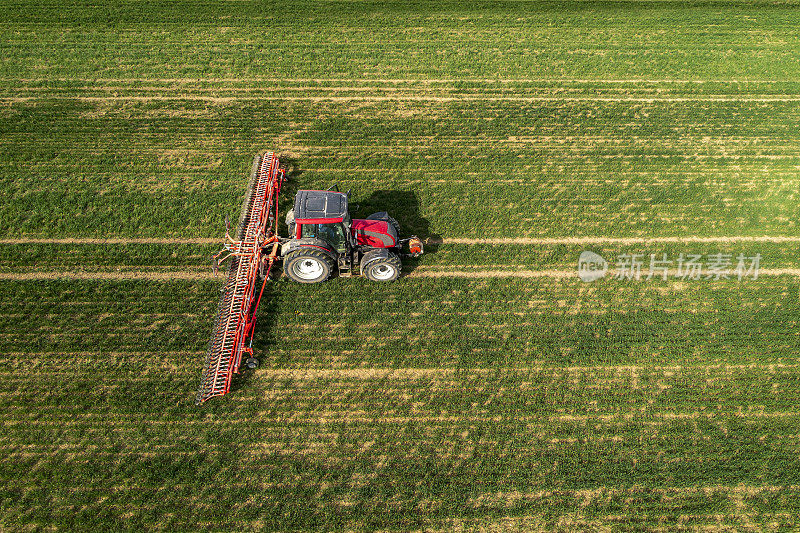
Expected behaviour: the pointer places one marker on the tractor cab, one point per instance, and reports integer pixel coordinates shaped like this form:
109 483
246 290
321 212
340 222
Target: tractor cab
321 215
322 234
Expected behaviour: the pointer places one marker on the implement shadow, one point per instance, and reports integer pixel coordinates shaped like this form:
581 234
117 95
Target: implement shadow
261 340
289 188
405 208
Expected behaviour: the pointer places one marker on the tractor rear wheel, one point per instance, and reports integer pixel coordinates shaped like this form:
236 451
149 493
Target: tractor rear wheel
387 269
308 266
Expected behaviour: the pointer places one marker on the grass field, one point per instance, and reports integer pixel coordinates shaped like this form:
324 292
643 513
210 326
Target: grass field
489 388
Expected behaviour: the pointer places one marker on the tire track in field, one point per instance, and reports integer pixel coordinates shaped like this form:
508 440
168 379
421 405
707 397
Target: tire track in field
110 275
660 419
48 359
330 417
380 91
423 272
403 98
427 373
419 272
614 240
423 81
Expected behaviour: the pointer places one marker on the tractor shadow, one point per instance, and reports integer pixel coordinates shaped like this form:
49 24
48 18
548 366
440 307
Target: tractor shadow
290 186
404 206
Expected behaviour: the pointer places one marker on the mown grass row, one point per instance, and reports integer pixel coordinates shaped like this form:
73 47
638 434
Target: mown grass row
639 207
502 169
182 125
491 322
52 389
510 323
632 411
402 479
114 91
739 40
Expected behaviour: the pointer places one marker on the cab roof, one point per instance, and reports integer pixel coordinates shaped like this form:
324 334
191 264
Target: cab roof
320 207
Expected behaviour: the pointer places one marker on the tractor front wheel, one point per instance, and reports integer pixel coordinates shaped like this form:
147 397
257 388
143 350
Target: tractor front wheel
308 266
387 269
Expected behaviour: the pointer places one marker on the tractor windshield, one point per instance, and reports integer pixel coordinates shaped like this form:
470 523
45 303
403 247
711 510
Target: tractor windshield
331 233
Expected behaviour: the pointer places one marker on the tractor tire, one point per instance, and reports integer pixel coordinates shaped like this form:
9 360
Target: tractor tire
383 269
308 266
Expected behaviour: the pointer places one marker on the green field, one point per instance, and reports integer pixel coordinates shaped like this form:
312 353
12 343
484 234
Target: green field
489 388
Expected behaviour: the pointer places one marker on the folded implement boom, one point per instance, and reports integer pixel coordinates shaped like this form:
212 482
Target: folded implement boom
252 253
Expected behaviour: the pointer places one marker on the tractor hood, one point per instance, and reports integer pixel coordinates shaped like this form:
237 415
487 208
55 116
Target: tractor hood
377 233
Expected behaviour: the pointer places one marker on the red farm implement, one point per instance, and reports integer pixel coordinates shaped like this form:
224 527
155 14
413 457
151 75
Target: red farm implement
322 238
253 252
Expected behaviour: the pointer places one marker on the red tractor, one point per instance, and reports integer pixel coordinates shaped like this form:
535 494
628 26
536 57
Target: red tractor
323 236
